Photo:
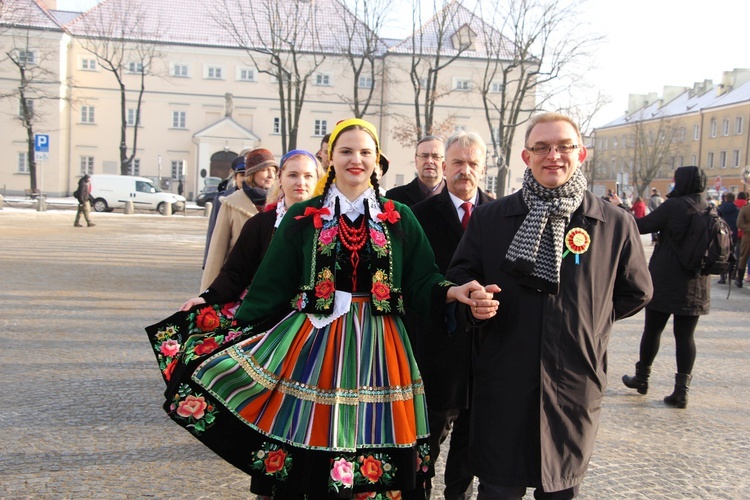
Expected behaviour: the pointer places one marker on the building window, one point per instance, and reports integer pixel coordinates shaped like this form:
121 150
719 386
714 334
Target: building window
710 160
87 165
88 64
738 125
246 74
365 82
176 170
459 128
713 128
23 163
26 57
722 159
725 127
423 83
614 142
178 119
461 84
87 114
321 127
135 167
681 134
696 132
736 158
496 87
131 117
214 73
180 70
135 67
29 108
276 125
323 79
693 160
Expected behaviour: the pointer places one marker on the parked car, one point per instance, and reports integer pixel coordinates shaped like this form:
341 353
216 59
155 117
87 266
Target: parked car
112 191
208 194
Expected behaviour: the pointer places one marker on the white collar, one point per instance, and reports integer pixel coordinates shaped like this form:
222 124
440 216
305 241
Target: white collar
457 202
352 209
280 211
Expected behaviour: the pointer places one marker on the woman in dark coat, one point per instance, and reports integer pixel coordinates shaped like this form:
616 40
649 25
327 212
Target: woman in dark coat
677 291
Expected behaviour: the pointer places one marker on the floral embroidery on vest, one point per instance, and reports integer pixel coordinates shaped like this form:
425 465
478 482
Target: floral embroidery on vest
193 410
272 460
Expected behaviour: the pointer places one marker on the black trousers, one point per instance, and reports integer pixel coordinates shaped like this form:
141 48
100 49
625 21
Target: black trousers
684 331
489 491
458 477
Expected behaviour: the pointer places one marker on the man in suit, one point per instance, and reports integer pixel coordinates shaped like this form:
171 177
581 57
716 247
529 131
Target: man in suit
443 359
429 181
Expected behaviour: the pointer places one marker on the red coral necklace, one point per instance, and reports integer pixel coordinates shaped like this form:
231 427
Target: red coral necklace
353 240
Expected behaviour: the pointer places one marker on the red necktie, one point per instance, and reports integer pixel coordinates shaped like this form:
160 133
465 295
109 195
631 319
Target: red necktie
467 213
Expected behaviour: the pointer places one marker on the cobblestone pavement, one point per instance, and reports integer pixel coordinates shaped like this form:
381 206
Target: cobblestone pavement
81 411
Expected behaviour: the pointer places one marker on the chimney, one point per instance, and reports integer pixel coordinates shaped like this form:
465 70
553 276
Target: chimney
671 91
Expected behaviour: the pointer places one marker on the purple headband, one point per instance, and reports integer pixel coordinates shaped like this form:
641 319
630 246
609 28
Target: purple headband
295 152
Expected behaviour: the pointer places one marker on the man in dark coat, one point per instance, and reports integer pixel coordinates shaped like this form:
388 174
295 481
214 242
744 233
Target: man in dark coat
429 181
444 360
729 211
568 265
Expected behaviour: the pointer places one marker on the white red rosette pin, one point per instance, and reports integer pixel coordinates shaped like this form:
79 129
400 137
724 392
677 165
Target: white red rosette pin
577 241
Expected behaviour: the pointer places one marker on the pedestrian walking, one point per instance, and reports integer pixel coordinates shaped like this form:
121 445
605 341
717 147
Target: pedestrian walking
83 195
678 292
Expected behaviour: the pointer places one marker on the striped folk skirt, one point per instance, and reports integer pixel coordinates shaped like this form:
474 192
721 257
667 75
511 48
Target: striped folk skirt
335 411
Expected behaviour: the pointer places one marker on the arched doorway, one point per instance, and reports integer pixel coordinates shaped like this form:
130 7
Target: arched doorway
221 163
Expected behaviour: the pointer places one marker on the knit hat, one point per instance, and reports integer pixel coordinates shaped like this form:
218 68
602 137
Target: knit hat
258 159
238 165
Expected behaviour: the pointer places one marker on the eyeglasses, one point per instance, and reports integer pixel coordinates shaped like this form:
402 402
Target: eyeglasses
434 156
560 148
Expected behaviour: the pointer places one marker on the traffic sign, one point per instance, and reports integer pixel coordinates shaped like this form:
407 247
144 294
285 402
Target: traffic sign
41 143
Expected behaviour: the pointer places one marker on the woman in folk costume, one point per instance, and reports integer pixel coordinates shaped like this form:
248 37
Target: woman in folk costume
321 396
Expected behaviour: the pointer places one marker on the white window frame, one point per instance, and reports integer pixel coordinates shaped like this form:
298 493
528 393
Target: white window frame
89 64
27 58
323 80
29 104
179 120
246 74
135 67
88 114
723 159
693 159
87 165
713 127
276 125
710 160
738 125
180 70
462 84
459 128
365 82
130 117
725 127
135 167
696 132
22 166
213 72
736 158
320 128
496 87
176 170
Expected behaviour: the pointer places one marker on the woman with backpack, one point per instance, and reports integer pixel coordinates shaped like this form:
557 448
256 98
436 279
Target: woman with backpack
678 292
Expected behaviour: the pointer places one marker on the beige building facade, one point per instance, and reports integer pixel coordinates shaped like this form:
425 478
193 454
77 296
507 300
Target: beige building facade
706 125
205 100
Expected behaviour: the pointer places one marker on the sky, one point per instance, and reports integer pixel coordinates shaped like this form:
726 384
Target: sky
649 44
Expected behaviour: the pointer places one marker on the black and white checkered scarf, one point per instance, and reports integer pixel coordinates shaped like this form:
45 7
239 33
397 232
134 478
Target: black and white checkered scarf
537 247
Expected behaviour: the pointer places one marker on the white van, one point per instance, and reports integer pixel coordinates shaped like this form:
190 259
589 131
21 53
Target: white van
112 191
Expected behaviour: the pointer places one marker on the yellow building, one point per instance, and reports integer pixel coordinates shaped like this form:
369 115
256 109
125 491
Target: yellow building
706 125
205 98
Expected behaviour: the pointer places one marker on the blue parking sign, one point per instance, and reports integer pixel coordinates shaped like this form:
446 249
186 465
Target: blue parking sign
41 143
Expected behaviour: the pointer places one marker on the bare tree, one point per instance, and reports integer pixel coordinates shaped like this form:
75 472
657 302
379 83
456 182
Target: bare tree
281 37
655 144
33 60
532 43
123 40
433 46
360 26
